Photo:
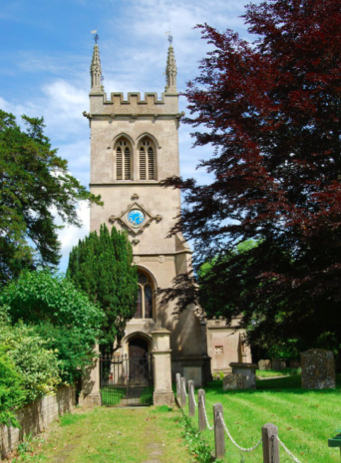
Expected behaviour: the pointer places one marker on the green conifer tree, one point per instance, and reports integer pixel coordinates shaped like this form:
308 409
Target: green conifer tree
101 266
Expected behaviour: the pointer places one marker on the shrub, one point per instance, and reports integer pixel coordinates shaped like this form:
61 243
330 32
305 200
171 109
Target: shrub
37 365
68 344
11 392
62 315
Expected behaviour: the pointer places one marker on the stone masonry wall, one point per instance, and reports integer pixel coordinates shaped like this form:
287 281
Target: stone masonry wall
34 418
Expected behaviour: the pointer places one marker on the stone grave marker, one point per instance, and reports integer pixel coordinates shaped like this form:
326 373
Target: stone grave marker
279 364
248 370
264 365
234 381
318 369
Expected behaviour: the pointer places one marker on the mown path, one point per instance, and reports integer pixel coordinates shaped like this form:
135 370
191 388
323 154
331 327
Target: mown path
112 435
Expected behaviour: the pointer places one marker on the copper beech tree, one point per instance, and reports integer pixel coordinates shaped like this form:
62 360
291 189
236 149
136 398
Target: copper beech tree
271 112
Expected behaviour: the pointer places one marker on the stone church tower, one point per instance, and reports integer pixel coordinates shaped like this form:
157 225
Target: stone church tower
134 145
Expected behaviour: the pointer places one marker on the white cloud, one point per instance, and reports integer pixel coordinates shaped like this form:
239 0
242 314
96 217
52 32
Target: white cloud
78 156
16 109
61 104
70 235
63 112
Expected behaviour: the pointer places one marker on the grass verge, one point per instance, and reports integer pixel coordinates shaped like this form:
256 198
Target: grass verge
274 373
110 435
305 419
196 443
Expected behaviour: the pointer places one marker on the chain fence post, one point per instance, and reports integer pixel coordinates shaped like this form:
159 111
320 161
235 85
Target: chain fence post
201 413
270 443
219 432
178 387
183 392
191 398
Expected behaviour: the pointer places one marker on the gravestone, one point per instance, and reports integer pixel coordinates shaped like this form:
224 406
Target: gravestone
248 370
264 365
194 374
318 369
279 364
234 381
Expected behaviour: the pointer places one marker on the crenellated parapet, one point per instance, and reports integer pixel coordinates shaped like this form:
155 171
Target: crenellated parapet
135 105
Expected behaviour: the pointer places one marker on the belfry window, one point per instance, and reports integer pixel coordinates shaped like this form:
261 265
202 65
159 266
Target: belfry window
147 167
123 160
144 308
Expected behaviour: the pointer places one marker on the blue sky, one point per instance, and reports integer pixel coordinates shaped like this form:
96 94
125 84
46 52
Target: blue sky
45 55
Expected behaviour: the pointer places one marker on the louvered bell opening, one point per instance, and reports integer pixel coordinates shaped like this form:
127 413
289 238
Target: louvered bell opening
127 164
119 164
151 164
143 167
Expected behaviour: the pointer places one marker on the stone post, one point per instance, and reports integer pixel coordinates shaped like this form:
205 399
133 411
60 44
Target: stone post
219 431
183 392
201 413
90 395
191 398
178 388
163 394
270 444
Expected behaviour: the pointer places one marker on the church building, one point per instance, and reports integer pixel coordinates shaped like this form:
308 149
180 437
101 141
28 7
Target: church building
135 145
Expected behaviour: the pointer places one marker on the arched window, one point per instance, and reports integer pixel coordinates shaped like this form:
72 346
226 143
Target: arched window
123 160
144 308
147 164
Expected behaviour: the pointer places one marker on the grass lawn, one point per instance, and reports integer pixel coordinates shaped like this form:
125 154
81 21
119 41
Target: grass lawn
305 419
271 373
109 435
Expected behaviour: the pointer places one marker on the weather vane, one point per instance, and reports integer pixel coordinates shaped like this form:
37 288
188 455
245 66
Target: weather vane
96 38
170 37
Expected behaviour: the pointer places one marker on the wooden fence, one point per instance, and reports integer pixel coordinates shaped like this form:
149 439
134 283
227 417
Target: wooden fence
269 432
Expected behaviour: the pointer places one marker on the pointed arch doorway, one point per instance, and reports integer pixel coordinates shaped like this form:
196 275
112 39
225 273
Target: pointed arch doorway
127 379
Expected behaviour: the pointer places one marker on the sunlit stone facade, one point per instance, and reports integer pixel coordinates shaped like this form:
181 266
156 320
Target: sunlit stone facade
134 145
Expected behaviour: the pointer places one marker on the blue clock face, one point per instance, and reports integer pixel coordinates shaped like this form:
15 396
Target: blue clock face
135 217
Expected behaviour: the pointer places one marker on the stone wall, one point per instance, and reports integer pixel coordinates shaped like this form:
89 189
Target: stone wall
226 344
34 418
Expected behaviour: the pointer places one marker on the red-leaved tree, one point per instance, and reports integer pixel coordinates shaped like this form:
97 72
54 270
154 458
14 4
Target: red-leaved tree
271 112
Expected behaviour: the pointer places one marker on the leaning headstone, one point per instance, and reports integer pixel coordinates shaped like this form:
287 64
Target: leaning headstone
234 381
318 369
264 365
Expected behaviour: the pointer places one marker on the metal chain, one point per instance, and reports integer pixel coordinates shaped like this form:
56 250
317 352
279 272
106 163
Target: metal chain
206 419
233 441
286 449
193 397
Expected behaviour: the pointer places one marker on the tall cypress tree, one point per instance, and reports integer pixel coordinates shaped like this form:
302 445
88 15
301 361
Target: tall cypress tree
101 266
